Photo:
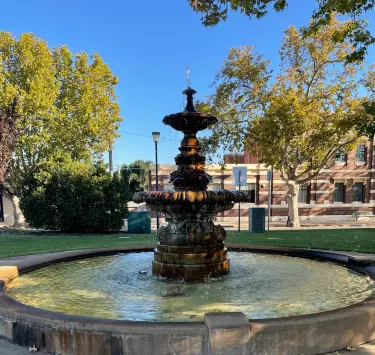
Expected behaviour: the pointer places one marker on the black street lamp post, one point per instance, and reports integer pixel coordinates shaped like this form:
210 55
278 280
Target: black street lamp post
155 137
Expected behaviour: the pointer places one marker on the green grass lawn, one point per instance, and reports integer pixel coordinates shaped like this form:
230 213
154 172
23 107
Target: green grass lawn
19 243
359 240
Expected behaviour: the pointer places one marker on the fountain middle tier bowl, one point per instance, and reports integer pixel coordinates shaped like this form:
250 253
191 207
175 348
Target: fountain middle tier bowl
191 197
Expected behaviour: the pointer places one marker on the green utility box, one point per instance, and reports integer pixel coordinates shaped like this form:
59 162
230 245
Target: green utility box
257 220
139 222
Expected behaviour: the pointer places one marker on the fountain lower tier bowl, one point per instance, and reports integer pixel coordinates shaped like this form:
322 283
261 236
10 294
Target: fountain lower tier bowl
190 217
191 197
189 210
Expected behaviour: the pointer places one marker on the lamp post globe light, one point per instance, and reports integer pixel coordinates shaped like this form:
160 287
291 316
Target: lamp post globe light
155 137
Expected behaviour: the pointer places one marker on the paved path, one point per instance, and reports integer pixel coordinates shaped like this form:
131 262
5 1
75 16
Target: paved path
10 349
366 349
324 224
231 223
7 348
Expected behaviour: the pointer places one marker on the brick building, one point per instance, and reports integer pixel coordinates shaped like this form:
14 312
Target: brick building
345 185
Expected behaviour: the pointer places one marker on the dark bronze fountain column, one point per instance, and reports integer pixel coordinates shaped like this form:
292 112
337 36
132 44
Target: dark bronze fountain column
191 246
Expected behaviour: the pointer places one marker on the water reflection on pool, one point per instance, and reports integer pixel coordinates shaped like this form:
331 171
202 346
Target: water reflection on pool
122 287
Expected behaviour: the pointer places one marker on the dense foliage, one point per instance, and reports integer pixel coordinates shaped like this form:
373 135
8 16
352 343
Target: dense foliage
368 127
297 120
138 175
66 101
74 197
215 11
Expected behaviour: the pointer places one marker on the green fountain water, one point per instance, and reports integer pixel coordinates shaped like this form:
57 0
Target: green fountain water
122 287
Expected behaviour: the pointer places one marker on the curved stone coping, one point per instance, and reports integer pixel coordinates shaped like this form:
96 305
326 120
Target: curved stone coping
219 333
190 197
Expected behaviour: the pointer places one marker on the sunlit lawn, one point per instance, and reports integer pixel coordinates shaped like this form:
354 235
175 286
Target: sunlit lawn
18 243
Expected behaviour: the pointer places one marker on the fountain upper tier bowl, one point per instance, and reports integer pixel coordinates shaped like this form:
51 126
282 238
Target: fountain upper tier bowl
190 121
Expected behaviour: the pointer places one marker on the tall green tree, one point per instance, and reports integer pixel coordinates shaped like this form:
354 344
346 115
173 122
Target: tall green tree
65 101
294 121
138 175
368 127
215 11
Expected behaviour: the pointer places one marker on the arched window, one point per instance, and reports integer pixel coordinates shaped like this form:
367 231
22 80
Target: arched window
360 153
340 156
302 194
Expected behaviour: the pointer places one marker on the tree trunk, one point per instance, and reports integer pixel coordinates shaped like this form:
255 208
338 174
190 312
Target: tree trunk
292 198
369 168
17 214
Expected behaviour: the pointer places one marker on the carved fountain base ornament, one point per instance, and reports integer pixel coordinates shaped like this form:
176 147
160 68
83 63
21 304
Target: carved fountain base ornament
191 246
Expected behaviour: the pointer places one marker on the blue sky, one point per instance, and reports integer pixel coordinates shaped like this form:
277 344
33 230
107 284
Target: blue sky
148 45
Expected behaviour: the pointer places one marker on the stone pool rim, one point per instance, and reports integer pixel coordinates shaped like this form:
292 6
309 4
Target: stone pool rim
219 333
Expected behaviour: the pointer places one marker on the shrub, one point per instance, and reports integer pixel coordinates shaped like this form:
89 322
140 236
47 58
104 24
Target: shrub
74 197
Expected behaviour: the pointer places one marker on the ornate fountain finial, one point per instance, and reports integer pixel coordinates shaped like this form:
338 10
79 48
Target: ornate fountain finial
189 92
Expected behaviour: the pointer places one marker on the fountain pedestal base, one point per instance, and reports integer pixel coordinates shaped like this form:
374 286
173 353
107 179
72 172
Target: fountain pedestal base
190 263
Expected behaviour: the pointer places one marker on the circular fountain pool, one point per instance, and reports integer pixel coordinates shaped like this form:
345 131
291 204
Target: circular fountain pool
121 286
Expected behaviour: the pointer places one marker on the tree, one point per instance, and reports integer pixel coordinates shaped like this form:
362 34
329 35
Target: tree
299 119
65 101
8 135
215 11
138 177
368 127
74 196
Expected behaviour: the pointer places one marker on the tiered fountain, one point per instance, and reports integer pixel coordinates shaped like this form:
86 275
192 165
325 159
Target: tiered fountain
191 246
47 307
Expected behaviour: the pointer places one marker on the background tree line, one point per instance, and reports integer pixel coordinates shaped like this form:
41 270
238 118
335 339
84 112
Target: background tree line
296 120
58 114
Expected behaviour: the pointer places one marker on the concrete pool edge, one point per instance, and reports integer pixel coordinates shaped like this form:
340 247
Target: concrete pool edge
219 333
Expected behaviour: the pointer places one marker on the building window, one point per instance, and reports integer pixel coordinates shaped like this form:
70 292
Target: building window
340 156
1 208
251 187
338 194
358 192
251 191
360 153
302 194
